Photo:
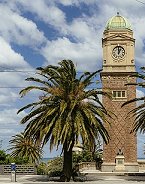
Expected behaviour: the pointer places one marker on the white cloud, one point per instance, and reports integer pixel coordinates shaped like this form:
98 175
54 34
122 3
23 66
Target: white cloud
68 2
10 117
86 29
7 100
9 125
140 137
139 93
75 2
10 58
83 54
17 29
10 62
82 31
45 11
141 145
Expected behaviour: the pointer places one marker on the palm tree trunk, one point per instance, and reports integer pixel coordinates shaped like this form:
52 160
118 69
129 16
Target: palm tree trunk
67 163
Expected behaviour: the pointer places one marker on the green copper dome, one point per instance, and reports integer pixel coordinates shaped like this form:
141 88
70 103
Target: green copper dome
118 22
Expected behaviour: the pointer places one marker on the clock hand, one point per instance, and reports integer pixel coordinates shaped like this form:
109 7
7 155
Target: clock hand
118 50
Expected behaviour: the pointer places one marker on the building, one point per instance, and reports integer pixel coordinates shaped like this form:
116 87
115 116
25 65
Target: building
118 65
78 148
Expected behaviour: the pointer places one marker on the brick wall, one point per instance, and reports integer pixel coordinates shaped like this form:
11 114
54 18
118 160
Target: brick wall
121 124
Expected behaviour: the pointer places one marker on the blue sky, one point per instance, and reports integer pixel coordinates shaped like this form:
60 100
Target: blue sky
41 32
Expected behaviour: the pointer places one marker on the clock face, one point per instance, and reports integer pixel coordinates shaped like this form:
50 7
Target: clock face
118 52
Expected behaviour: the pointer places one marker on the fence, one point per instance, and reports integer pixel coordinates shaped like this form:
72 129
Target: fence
20 169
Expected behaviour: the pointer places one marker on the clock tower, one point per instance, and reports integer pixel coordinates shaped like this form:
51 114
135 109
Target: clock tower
118 66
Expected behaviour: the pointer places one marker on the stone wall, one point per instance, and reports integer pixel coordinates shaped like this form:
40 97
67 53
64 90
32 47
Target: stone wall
141 163
87 166
92 166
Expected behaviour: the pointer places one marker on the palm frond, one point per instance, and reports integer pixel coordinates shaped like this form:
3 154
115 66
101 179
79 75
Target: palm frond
66 111
24 146
24 91
39 81
133 100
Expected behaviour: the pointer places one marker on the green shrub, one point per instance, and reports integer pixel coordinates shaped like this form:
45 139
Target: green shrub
8 159
55 167
2 156
88 156
42 168
52 168
21 160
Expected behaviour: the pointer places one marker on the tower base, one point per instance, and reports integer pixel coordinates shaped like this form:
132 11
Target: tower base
128 167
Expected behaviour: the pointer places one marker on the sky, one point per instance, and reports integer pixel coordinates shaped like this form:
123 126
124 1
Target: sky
41 32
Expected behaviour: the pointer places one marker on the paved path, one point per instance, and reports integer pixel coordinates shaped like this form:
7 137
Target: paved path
36 179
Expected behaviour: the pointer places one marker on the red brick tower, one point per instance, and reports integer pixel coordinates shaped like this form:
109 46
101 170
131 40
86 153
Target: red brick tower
118 65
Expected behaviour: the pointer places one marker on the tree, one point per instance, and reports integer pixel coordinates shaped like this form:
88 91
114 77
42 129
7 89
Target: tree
24 147
139 111
3 156
68 110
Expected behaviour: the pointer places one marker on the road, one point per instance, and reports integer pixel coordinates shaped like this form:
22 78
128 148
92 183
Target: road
37 179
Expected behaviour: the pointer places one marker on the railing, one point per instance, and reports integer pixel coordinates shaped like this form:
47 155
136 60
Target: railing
20 169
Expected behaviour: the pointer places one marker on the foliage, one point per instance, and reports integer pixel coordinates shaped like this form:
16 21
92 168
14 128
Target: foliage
139 111
26 148
42 169
8 159
83 156
18 160
55 166
67 111
87 155
21 160
2 155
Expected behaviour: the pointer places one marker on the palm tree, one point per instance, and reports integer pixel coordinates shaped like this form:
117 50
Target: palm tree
25 147
67 111
139 111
